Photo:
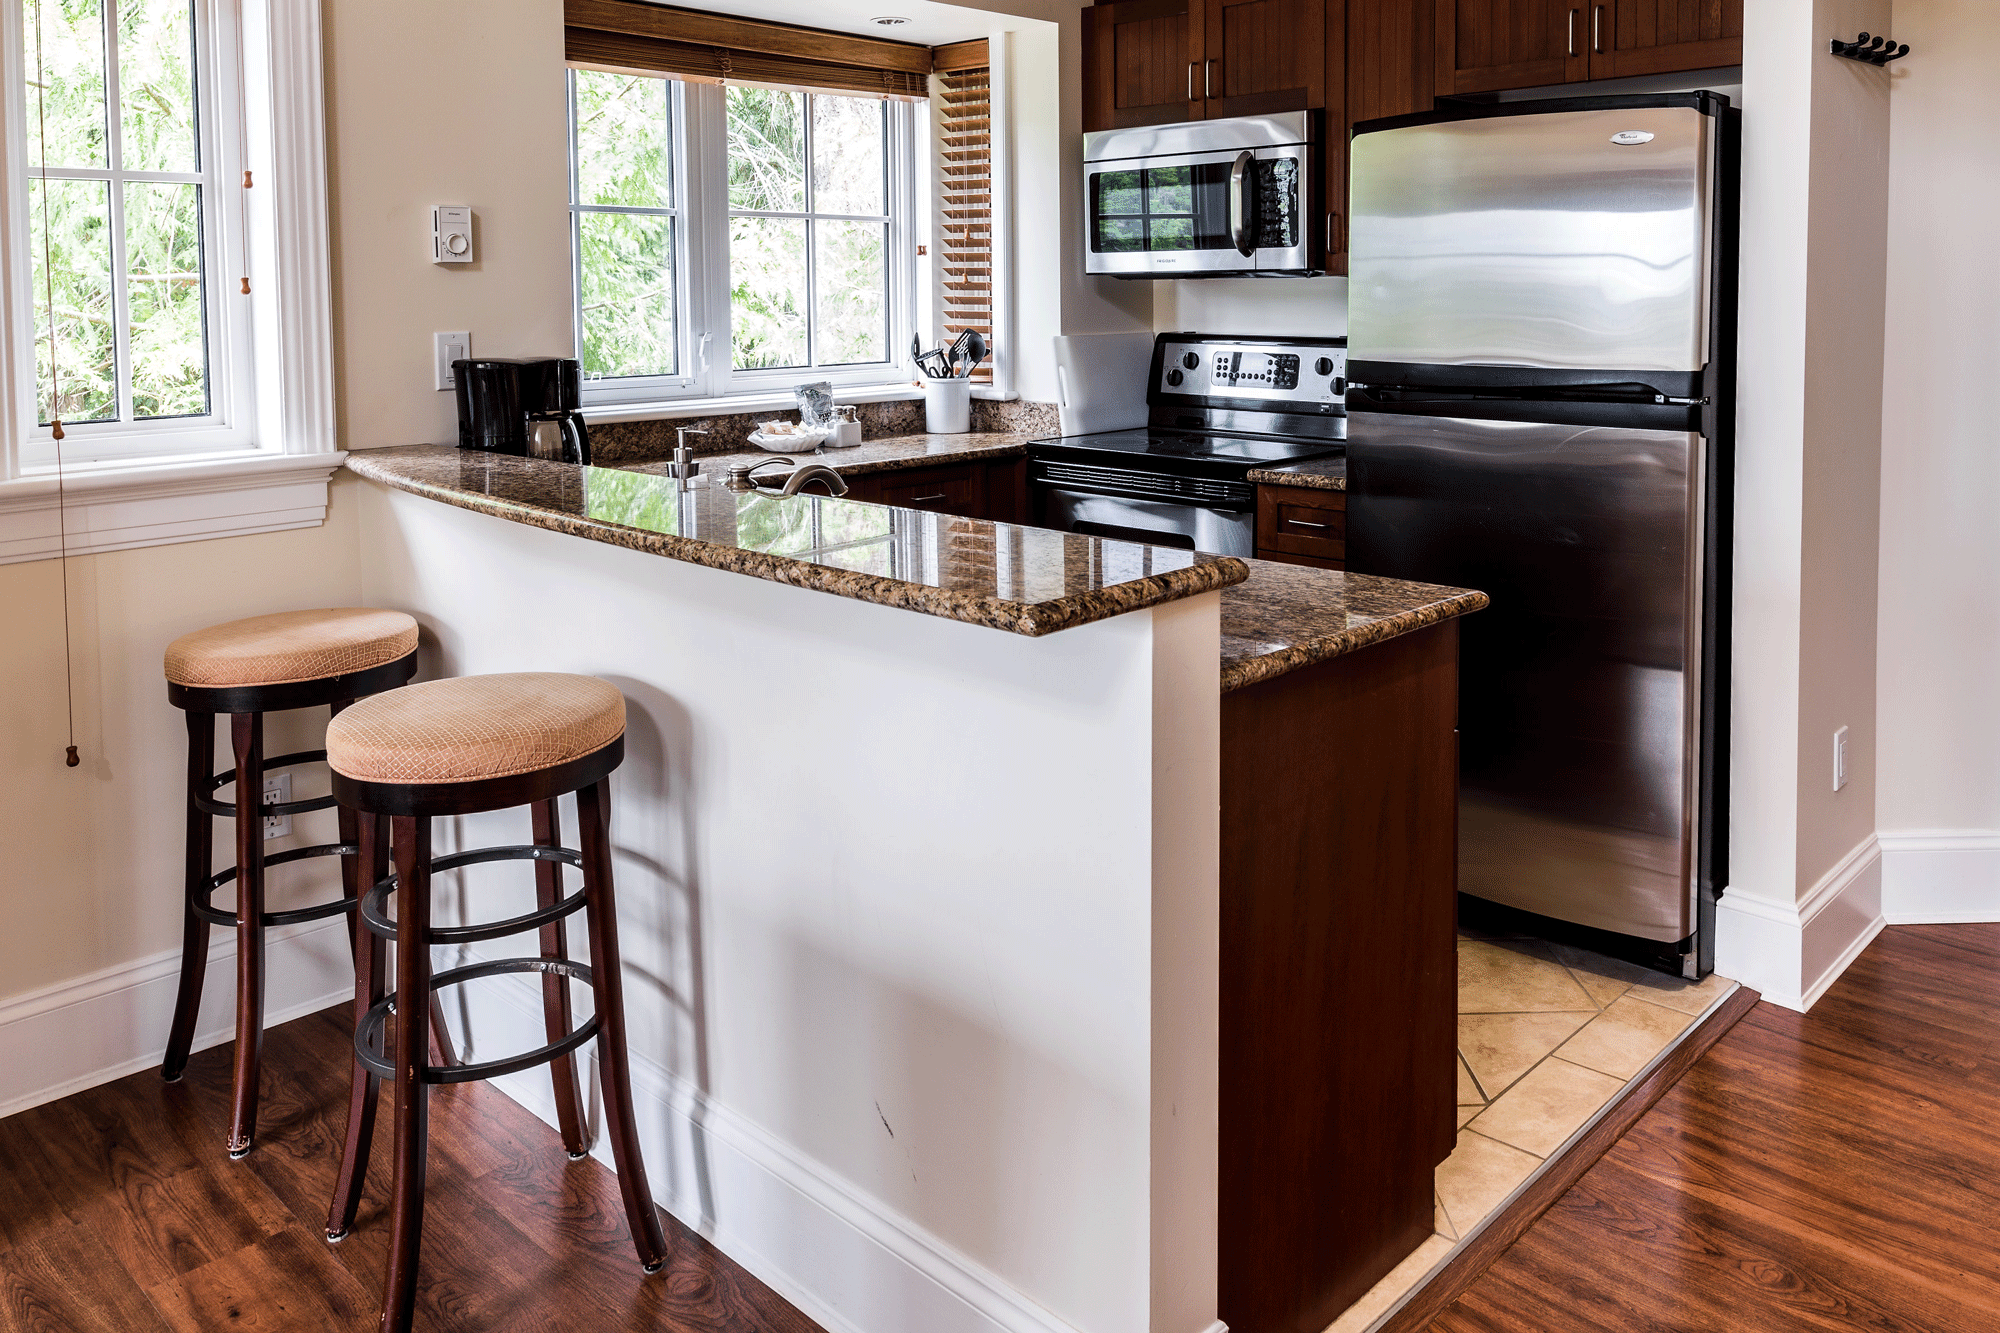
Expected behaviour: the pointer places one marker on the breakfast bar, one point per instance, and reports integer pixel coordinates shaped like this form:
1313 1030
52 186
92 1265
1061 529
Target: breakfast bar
974 890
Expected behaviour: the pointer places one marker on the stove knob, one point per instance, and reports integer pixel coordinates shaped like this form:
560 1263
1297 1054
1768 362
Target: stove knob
1174 378
1323 366
1190 359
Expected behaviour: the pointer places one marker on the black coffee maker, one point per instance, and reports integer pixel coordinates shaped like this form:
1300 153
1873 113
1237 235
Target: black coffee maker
522 405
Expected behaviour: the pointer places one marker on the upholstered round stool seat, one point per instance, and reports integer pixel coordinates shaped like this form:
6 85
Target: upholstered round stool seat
290 646
475 728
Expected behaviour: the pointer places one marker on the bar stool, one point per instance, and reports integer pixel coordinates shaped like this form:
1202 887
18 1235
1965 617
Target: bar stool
247 668
458 747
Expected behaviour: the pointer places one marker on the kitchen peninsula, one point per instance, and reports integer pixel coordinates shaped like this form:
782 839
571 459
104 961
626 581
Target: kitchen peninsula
933 913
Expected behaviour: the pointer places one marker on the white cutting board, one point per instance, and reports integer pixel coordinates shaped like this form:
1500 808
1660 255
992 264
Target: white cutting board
1101 380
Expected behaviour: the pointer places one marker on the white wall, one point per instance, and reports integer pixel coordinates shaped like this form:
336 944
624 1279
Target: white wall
1295 307
1804 894
929 906
1939 761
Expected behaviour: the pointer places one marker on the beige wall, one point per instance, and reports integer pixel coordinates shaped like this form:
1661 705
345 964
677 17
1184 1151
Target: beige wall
430 103
92 854
1940 564
423 107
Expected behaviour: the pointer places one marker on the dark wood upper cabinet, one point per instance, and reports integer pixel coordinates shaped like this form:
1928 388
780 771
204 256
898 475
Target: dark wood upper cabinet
1139 65
1379 59
1260 57
1664 36
1489 45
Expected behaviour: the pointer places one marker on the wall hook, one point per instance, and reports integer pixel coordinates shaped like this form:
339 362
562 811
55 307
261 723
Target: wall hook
1869 51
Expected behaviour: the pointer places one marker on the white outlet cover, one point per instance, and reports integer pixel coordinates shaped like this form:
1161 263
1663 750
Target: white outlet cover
277 791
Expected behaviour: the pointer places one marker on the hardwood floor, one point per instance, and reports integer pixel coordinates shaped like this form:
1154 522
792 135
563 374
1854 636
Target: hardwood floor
120 1211
1833 1170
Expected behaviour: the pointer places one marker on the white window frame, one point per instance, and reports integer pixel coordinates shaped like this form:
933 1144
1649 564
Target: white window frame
265 467
701 255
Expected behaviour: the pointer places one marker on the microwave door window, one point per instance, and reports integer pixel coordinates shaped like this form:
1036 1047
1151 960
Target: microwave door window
1157 209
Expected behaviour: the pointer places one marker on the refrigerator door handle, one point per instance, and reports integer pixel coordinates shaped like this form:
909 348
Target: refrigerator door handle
1239 203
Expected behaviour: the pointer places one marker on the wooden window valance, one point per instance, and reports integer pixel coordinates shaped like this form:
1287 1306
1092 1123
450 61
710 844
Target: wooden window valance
655 39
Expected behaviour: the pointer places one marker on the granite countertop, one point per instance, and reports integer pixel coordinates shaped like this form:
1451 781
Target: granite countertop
893 454
1320 474
1024 580
1284 617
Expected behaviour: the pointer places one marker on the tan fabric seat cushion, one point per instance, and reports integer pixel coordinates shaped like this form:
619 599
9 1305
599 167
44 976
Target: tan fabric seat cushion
475 727
290 646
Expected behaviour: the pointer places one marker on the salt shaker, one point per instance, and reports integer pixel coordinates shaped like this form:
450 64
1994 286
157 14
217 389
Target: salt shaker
847 432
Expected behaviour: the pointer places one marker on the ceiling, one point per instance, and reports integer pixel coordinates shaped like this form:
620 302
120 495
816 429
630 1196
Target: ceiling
930 22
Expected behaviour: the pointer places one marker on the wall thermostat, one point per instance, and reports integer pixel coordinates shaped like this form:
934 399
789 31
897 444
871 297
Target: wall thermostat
451 234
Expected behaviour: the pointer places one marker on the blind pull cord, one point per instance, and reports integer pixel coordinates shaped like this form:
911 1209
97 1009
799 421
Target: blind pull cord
70 759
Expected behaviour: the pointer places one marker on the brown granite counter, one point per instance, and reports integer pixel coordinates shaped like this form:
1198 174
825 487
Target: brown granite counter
1284 617
1023 580
887 455
1320 474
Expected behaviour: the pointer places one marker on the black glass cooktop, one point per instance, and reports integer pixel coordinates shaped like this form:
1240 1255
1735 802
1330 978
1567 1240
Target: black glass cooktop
1151 442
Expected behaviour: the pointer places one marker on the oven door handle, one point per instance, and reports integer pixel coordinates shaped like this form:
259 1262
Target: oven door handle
1239 203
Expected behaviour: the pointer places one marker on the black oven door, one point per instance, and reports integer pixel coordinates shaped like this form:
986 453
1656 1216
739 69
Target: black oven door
1215 530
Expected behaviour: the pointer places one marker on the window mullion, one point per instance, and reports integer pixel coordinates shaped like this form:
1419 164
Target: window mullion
121 285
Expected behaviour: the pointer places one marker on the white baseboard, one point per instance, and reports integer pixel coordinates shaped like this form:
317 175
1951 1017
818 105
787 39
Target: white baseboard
847 1260
1792 952
96 1028
1934 876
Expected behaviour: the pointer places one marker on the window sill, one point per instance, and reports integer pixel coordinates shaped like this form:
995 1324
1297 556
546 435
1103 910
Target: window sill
118 508
676 408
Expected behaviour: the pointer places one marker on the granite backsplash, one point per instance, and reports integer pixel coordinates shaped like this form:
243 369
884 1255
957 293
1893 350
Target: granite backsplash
616 443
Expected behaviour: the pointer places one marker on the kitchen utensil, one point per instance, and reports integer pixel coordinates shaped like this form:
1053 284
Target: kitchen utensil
975 350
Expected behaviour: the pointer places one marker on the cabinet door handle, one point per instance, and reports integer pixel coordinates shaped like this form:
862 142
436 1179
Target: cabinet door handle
1207 73
1301 523
1572 32
919 499
1190 96
1597 29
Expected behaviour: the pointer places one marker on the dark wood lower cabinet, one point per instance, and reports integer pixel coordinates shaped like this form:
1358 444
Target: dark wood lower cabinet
997 491
1339 975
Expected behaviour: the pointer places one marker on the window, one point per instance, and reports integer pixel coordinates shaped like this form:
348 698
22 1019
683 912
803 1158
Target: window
136 337
797 262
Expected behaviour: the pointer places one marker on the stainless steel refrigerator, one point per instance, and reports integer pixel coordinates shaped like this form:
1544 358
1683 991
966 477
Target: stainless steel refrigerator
1541 315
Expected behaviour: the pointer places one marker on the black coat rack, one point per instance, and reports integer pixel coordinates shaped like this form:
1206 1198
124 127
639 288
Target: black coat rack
1869 50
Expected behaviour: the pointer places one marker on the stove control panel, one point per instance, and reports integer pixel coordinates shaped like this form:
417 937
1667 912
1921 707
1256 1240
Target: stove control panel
1270 374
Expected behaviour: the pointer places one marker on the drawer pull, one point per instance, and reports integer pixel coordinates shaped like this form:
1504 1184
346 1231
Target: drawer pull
919 499
1301 523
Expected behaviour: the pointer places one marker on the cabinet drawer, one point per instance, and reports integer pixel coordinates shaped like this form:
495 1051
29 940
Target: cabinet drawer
1297 521
946 490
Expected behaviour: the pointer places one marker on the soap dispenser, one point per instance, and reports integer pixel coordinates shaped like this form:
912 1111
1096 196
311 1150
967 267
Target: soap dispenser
683 468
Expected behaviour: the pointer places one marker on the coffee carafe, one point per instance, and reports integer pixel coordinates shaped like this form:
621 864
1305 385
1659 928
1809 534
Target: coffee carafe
522 405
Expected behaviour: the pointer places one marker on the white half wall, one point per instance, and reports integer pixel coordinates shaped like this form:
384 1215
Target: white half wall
921 909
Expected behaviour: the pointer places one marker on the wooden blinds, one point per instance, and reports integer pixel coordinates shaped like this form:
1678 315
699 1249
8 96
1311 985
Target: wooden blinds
654 39
965 193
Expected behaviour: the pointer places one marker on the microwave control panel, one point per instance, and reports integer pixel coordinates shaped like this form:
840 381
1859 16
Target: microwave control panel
1288 376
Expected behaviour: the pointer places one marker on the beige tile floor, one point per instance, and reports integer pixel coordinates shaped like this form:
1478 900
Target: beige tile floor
1547 1034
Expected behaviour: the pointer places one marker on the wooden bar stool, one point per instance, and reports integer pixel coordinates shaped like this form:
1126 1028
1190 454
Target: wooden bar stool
247 668
458 747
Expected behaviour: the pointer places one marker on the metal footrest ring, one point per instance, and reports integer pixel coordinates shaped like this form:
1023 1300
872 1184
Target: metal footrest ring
368 1038
205 800
375 902
204 910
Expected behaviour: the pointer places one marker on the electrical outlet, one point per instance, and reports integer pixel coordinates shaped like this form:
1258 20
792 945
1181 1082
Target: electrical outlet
277 791
1840 759
445 349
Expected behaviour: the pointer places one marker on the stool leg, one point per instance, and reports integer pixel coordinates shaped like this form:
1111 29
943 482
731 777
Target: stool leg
247 738
372 862
200 845
593 810
555 989
412 843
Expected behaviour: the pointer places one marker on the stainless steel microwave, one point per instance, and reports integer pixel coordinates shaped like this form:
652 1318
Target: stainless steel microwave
1206 199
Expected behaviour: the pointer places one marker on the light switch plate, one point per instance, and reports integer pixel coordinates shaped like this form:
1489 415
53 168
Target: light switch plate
447 348
451 234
